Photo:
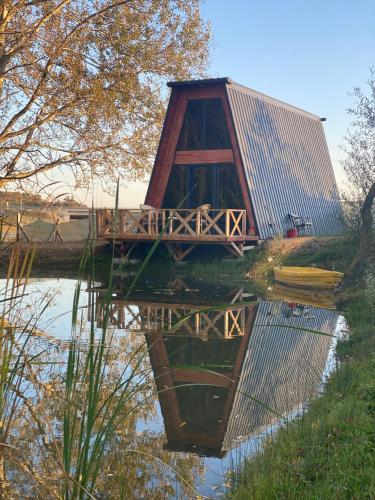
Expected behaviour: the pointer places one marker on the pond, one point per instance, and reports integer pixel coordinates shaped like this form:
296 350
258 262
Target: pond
214 369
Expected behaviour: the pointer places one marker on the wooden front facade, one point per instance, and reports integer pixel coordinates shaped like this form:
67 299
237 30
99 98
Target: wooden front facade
198 193
233 148
172 152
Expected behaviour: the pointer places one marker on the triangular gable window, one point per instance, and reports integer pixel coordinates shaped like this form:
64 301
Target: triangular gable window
204 126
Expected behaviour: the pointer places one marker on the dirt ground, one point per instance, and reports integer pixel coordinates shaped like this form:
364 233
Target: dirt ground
291 245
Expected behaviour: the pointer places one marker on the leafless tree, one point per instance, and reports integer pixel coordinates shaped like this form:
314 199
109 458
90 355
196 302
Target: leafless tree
360 169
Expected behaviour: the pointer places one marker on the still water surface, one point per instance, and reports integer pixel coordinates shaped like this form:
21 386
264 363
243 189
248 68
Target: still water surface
217 366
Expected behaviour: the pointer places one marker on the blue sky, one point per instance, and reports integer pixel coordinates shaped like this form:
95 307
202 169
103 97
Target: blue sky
309 53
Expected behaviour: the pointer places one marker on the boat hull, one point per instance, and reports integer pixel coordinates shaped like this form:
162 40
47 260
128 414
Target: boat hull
307 277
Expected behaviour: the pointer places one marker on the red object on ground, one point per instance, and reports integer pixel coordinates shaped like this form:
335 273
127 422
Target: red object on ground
292 233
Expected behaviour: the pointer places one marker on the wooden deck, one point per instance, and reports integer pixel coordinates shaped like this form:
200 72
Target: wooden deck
180 230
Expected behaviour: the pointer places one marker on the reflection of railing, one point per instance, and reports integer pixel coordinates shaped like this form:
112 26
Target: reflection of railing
228 323
183 223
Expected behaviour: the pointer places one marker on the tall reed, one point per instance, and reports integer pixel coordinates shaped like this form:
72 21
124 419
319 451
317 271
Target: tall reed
92 409
13 347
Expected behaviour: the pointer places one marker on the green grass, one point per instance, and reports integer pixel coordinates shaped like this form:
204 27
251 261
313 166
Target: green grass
215 268
333 253
330 451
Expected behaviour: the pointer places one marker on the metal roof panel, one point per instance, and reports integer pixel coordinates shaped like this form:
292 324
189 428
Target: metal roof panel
286 162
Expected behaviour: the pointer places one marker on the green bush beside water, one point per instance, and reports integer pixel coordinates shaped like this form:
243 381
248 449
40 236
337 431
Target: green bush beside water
332 253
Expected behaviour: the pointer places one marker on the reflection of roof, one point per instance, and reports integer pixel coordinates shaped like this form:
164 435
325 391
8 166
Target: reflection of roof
283 367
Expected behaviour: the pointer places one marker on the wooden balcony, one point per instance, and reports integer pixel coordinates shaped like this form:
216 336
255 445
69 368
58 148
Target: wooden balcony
195 321
175 227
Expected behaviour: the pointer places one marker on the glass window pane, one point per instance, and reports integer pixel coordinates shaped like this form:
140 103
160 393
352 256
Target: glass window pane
177 188
192 129
217 185
202 185
229 190
216 131
204 126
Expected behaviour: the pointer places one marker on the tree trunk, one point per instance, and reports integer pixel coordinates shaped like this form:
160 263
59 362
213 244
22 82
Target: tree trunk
4 58
366 252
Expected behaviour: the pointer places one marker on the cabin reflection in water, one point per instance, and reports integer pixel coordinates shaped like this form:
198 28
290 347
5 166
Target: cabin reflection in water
208 368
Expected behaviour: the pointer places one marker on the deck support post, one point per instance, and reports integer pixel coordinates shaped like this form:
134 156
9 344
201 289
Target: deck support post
235 249
177 252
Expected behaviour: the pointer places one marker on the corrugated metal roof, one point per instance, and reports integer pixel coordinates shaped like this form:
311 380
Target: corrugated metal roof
286 162
283 367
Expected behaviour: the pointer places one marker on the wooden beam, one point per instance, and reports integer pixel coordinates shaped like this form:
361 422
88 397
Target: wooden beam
204 156
176 251
235 249
165 385
166 151
189 376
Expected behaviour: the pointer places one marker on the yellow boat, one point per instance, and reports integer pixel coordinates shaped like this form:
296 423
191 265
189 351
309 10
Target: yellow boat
307 277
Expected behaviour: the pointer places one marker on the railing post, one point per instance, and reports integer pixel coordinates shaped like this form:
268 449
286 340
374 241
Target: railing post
170 221
113 213
198 223
197 323
149 228
227 222
121 228
226 324
244 223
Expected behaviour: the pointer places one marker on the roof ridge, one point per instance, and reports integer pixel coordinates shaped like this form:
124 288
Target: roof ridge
201 82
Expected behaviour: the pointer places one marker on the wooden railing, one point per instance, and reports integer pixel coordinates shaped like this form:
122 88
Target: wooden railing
171 223
229 323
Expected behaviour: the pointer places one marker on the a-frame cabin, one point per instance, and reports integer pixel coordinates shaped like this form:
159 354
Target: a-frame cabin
233 166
